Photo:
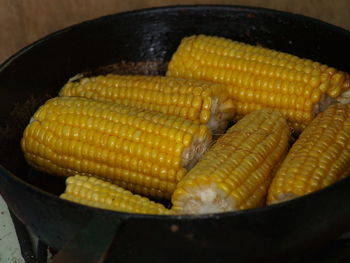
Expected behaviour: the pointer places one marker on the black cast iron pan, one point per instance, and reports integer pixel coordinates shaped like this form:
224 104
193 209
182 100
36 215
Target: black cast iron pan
142 42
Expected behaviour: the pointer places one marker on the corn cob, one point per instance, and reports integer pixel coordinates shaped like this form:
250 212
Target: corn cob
101 194
144 151
319 157
258 77
198 101
235 173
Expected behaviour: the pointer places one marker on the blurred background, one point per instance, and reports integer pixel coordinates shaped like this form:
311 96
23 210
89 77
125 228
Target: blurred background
24 21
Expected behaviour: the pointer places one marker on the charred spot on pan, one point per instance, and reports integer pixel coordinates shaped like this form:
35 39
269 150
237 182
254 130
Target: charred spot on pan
130 68
250 15
174 228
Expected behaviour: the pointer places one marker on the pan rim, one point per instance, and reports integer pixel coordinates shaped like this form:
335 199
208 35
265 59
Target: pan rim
169 8
125 215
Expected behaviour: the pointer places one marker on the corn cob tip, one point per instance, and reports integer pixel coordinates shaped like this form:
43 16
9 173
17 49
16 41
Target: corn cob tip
220 114
76 77
204 200
344 98
194 152
326 101
282 197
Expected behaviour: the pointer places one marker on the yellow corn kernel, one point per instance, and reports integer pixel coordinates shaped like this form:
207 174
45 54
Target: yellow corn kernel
317 159
94 192
234 174
260 76
111 141
174 96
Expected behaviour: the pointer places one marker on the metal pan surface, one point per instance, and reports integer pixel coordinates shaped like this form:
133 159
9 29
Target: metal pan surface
146 39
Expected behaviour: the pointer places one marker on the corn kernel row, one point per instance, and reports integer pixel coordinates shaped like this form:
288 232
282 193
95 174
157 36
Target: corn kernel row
260 77
101 194
236 171
70 135
198 101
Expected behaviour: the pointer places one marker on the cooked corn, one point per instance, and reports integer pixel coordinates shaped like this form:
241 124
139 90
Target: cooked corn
199 101
258 77
101 194
144 151
235 173
319 157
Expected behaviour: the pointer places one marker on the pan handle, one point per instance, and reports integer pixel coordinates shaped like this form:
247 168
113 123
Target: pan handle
92 243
